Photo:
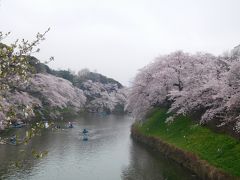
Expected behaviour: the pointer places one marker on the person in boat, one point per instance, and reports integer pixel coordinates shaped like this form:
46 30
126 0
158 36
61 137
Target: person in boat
70 125
85 131
13 139
85 134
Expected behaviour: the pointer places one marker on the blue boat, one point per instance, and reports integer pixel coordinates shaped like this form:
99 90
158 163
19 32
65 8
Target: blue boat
13 140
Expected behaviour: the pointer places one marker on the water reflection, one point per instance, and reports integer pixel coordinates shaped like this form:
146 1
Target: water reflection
109 154
145 164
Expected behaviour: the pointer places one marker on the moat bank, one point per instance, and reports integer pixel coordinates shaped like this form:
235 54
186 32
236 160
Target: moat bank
208 154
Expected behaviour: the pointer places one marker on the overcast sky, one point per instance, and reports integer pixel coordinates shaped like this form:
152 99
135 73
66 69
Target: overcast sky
118 37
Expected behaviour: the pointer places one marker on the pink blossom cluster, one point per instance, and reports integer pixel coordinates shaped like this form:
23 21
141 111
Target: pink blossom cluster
103 97
42 90
45 90
56 92
189 83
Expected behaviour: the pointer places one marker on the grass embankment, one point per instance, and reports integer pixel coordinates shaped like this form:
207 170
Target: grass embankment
220 150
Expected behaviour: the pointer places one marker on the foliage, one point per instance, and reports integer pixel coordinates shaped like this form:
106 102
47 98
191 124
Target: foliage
103 94
15 70
45 96
39 67
65 74
219 150
103 97
56 92
83 76
14 64
189 83
48 96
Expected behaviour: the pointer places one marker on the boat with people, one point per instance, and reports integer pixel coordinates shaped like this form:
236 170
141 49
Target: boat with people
85 134
70 125
12 140
85 131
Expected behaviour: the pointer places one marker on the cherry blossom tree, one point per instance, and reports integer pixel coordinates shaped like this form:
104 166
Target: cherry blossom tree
103 97
56 92
190 83
154 82
15 69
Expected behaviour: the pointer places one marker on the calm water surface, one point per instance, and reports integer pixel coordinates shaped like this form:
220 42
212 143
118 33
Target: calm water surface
110 154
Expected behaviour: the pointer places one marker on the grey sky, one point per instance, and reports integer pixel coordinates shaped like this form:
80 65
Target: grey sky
117 37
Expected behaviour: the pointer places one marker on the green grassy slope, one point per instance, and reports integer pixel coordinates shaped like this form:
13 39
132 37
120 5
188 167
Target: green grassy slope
220 150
